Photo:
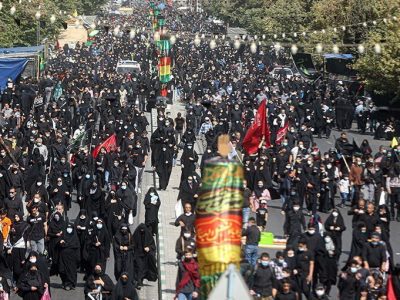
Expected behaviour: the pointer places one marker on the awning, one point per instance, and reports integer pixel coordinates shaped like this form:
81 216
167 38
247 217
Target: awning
11 68
94 33
338 56
34 49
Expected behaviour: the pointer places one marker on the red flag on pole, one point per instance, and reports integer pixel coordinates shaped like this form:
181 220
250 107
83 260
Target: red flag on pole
109 144
391 295
257 131
280 135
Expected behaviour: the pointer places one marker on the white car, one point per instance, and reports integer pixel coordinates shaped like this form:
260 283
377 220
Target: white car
128 66
276 72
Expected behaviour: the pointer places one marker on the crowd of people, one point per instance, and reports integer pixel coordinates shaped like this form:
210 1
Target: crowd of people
51 128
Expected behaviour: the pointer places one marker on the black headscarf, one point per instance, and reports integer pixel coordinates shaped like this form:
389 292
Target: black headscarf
71 239
124 290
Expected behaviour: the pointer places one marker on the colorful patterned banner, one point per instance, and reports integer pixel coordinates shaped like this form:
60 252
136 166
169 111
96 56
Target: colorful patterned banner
219 220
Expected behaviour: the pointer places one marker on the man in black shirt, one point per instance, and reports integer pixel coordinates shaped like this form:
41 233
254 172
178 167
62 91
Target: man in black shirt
38 229
374 253
304 269
263 279
186 220
252 234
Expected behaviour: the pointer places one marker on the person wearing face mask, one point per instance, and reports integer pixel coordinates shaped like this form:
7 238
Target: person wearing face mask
261 282
69 258
189 159
98 282
278 264
16 249
164 163
115 175
94 199
31 285
349 285
97 245
123 252
38 188
83 187
152 205
128 199
189 191
38 230
81 225
144 253
374 253
55 234
334 226
316 245
319 293
59 193
294 224
188 278
186 241
304 269
124 289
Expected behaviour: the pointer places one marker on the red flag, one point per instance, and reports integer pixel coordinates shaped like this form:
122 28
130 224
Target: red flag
257 131
109 144
280 135
391 294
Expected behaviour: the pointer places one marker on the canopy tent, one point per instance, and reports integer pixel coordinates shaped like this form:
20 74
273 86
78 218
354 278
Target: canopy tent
339 64
337 56
10 68
7 52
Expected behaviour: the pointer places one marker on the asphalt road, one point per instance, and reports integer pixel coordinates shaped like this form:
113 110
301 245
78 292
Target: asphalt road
275 219
275 225
150 289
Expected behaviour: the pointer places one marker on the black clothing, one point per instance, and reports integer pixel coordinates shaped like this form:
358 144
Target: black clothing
252 234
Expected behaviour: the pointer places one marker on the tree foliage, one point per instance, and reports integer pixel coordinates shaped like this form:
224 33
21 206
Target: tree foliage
20 29
381 72
274 17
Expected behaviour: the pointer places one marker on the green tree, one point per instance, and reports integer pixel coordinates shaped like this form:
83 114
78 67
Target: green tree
381 72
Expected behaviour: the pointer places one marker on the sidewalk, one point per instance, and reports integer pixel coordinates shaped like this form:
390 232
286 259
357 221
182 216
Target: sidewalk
167 231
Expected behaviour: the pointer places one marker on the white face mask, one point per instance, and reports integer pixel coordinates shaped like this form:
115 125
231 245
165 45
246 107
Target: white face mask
69 230
99 226
186 235
335 214
32 260
123 187
39 183
296 208
320 292
311 232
